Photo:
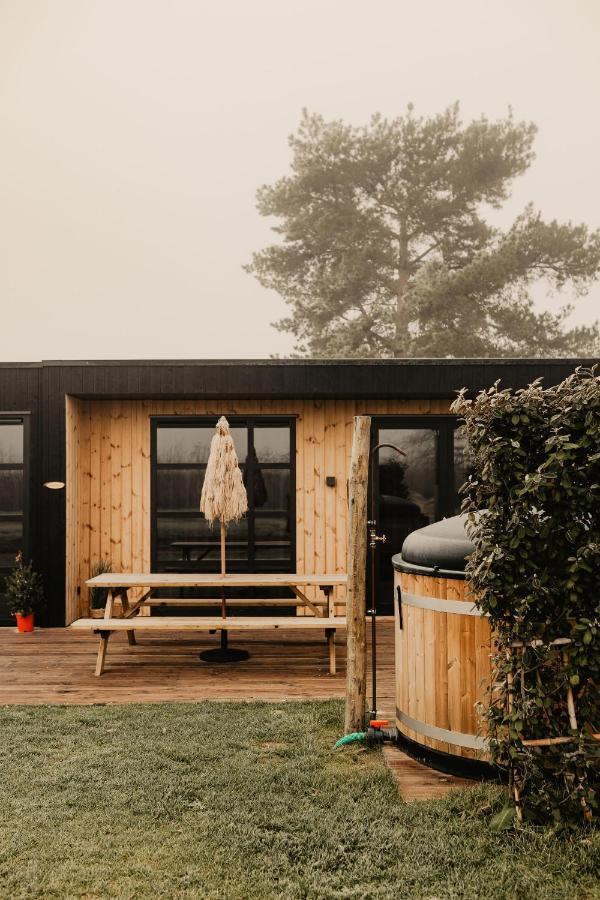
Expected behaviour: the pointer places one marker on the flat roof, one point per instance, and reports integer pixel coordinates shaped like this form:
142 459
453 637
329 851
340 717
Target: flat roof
308 378
351 361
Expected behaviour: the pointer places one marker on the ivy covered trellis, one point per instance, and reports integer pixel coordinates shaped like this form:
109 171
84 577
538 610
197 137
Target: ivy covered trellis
536 572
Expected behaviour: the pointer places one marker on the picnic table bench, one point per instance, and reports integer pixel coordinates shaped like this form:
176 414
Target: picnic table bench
119 585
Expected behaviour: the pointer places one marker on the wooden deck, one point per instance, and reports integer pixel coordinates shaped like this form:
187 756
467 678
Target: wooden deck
55 665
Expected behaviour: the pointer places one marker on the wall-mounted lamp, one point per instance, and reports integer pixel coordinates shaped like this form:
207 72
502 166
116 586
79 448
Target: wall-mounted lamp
54 485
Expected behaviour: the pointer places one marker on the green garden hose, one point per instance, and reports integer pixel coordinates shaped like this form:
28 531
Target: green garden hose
351 738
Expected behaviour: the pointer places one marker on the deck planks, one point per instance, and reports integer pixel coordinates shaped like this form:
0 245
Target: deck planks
418 782
55 665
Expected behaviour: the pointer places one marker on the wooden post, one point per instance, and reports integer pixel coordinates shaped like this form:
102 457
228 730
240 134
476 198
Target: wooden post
356 632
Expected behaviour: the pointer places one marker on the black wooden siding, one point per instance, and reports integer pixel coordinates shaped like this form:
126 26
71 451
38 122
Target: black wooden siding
40 389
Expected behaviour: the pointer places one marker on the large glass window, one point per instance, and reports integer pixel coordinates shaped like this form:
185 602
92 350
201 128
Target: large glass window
12 498
182 538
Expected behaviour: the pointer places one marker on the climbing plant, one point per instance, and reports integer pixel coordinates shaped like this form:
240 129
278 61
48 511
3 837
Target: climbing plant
533 500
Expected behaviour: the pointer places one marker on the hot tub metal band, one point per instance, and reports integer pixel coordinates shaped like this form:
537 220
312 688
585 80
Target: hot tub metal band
459 738
459 607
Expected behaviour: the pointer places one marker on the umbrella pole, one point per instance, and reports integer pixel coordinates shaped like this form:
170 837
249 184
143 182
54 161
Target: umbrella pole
224 653
223 604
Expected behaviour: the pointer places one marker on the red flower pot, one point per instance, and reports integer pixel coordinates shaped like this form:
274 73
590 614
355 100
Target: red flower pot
24 623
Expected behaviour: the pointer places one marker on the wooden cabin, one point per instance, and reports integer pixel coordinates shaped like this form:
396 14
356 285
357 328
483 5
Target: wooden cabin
104 461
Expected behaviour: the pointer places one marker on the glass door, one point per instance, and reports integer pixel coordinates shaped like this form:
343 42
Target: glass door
13 501
411 490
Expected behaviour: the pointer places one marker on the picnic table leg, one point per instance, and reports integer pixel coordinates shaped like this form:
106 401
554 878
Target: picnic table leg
104 636
330 634
125 605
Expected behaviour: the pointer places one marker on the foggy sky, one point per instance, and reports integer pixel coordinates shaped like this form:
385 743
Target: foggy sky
134 134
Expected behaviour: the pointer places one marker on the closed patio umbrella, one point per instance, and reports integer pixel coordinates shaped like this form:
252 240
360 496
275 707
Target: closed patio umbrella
223 499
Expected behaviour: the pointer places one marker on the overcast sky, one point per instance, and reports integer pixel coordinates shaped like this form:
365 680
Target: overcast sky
134 134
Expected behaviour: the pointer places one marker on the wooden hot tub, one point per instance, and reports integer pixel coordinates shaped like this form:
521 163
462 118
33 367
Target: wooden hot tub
442 650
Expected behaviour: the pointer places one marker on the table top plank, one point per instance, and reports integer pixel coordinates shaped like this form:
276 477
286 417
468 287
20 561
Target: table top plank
195 579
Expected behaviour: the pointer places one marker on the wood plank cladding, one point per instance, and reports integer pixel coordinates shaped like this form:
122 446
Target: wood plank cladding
108 477
443 667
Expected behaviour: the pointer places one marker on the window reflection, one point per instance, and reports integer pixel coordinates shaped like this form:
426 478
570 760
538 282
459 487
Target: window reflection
409 479
272 444
191 444
11 442
463 465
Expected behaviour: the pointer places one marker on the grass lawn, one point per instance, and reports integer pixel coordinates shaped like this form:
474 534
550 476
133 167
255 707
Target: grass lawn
216 800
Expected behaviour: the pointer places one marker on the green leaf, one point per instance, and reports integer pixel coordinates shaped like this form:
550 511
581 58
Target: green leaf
504 820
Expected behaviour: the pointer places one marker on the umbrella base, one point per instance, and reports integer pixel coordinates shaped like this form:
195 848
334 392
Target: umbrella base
223 655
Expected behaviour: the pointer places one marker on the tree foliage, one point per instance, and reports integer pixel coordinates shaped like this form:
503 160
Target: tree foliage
384 249
536 572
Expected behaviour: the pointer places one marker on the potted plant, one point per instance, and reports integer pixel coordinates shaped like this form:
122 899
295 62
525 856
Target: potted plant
24 593
99 595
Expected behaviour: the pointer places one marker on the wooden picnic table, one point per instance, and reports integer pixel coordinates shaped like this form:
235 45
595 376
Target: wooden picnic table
119 584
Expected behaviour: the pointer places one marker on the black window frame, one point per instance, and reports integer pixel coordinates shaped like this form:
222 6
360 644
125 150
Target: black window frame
235 421
24 419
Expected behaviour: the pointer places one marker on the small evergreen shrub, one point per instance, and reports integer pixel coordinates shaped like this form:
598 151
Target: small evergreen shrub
24 591
98 595
536 572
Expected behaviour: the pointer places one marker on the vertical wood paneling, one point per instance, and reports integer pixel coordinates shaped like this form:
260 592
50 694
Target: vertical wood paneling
105 498
137 478
330 523
110 468
126 488
95 426
116 480
83 513
308 466
319 488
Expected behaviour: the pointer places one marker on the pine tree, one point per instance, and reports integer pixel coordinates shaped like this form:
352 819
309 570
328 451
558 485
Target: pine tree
384 249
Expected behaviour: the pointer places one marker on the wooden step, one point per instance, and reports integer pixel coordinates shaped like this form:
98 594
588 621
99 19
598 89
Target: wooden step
417 781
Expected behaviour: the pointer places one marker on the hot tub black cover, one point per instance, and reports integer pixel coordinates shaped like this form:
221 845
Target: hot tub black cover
443 545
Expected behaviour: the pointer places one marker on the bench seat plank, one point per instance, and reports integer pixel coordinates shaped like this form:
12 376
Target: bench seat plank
208 623
236 601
